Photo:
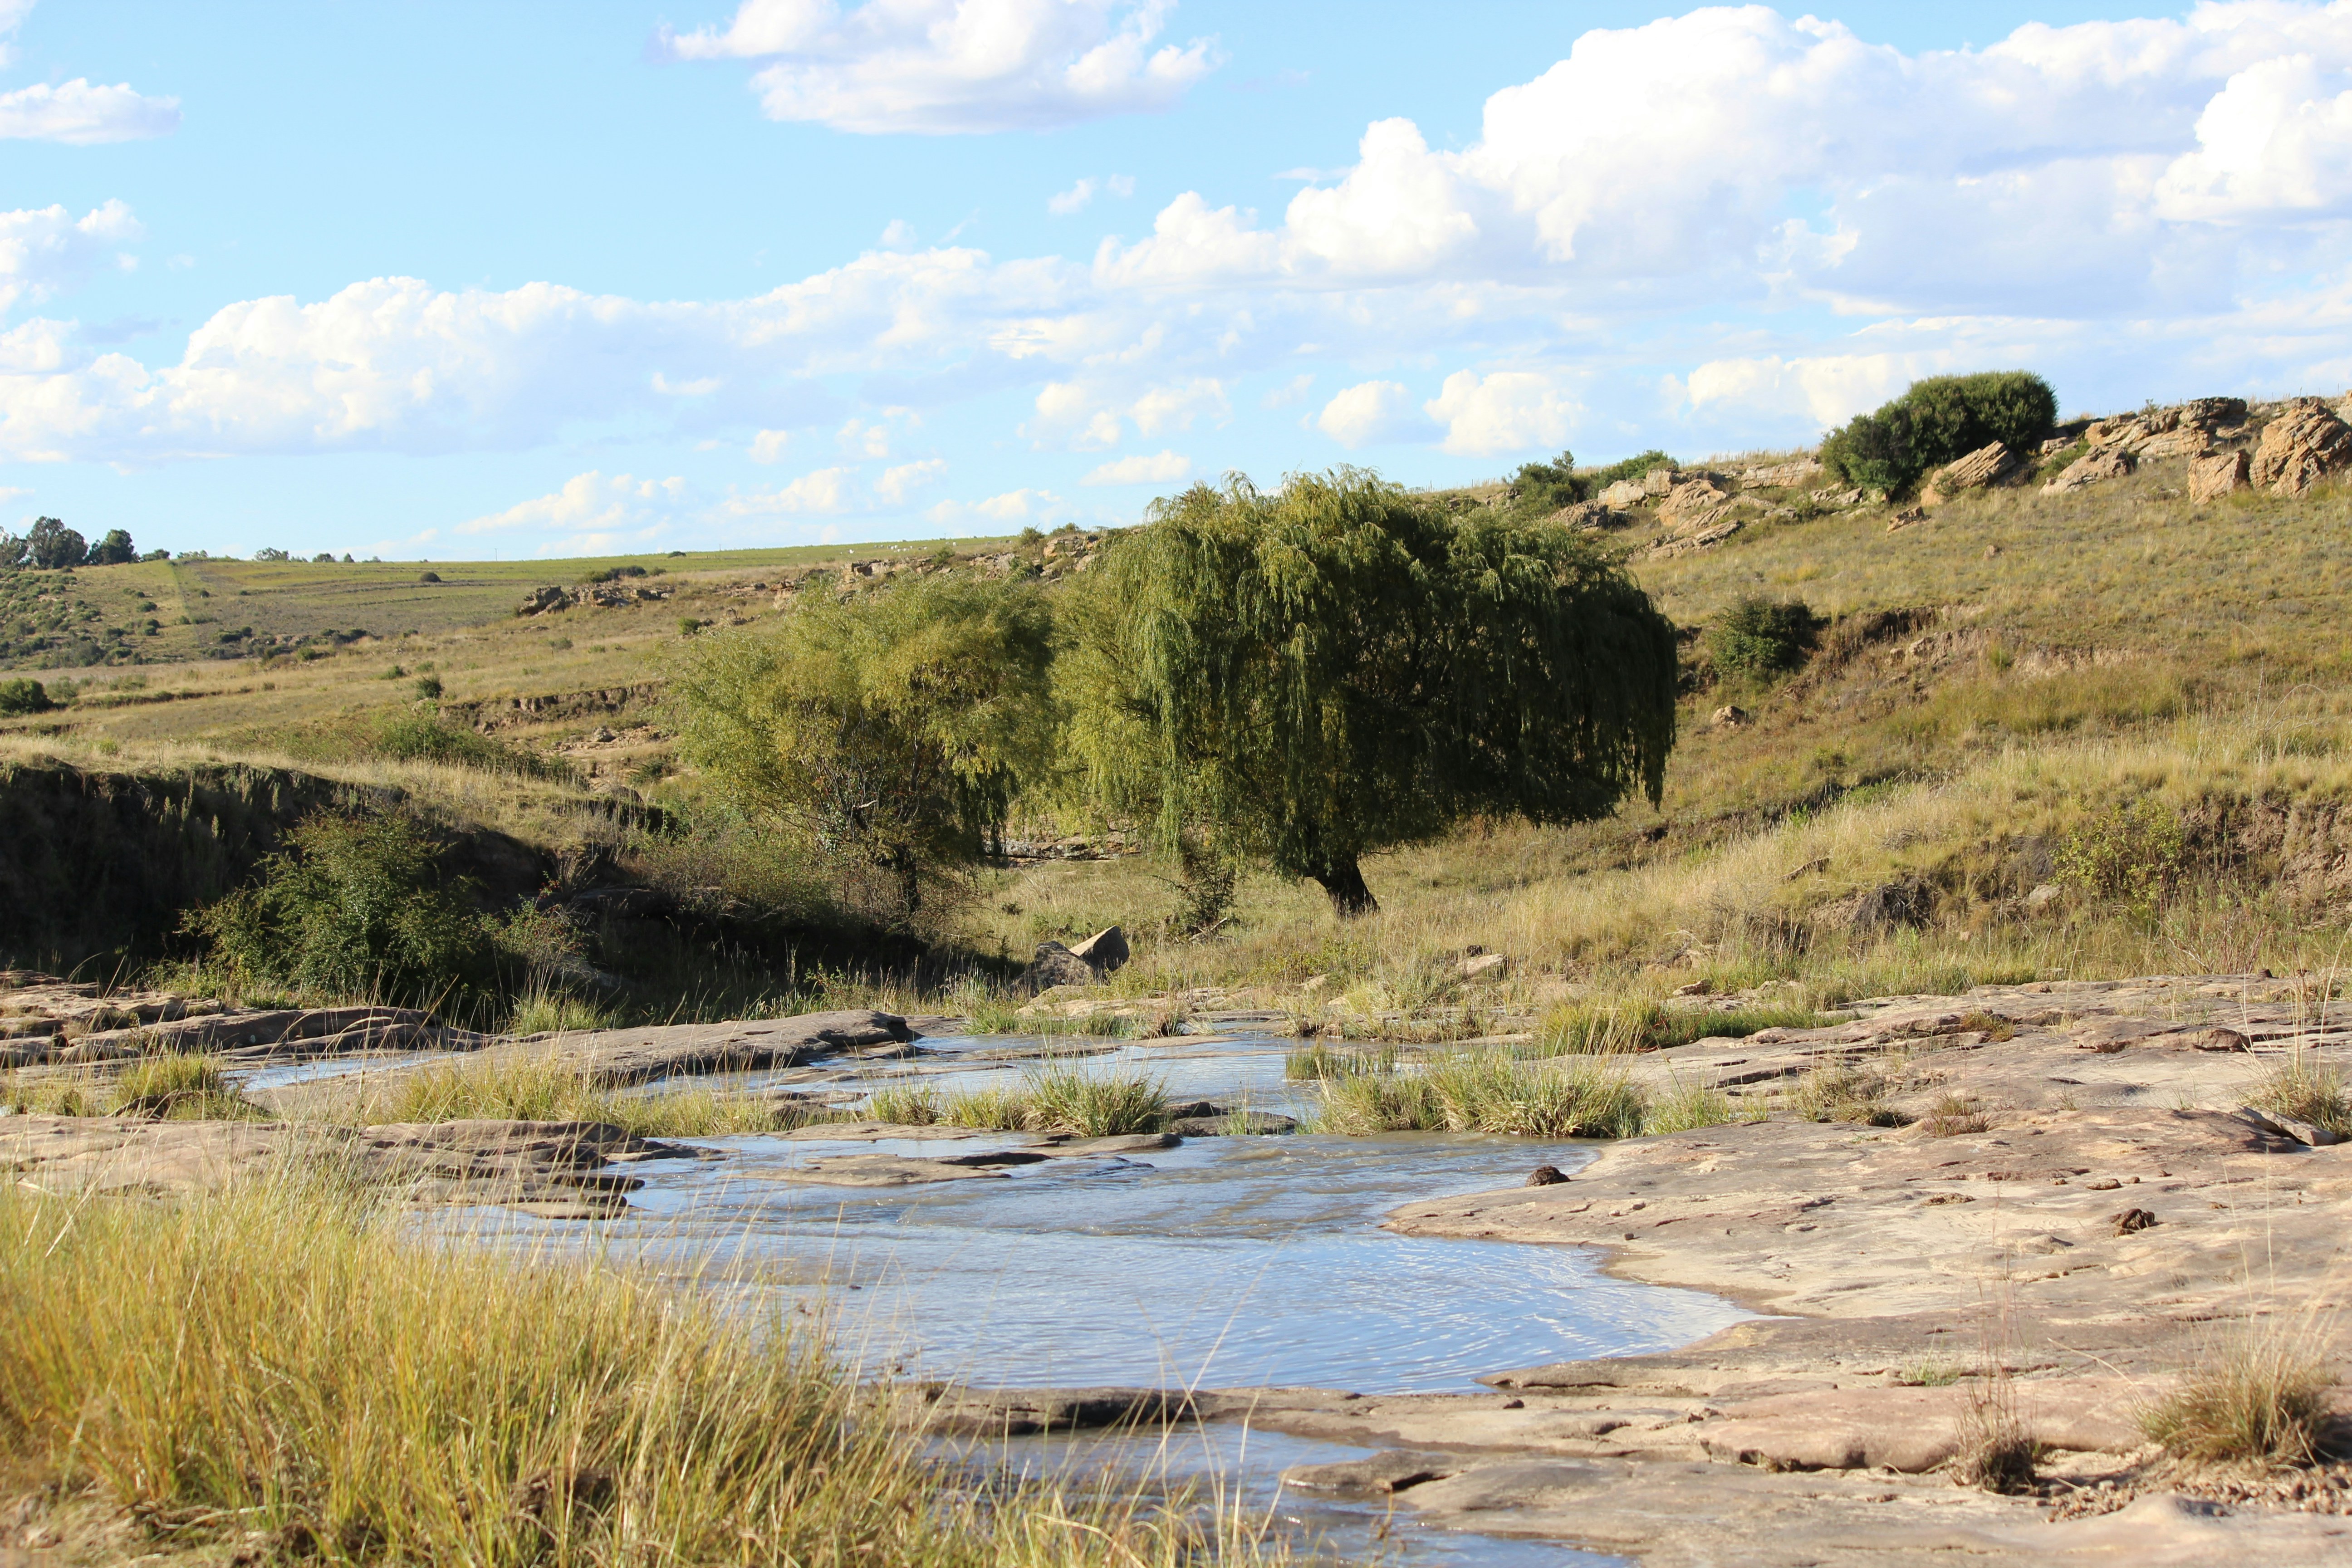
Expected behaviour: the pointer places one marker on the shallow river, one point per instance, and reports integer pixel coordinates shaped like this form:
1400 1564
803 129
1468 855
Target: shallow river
1224 1262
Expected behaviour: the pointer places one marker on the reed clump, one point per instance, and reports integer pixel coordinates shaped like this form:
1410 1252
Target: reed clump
550 1090
1054 1099
2306 1091
173 1086
286 1360
1481 1092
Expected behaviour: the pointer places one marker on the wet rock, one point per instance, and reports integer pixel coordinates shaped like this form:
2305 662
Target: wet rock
1380 1475
949 1411
1545 1176
890 1170
615 1058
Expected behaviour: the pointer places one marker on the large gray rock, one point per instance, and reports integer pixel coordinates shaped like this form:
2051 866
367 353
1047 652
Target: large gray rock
1105 951
1085 964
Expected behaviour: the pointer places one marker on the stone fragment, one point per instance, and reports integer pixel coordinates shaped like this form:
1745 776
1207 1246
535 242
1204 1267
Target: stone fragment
1692 504
1484 966
2299 448
1659 481
1545 1176
2219 1039
1783 476
1730 716
2099 463
1985 467
1380 1475
1625 493
1589 514
2127 1221
2221 474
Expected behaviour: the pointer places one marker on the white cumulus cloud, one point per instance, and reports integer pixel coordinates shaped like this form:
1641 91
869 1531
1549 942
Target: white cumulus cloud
82 115
953 67
904 479
592 511
45 251
1162 468
1506 412
1369 411
823 491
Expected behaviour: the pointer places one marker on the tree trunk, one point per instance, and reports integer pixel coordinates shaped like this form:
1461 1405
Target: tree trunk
1344 881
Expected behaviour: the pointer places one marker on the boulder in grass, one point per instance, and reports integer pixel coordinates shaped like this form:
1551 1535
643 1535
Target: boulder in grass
1625 493
2299 448
2221 474
1985 467
1084 964
2099 464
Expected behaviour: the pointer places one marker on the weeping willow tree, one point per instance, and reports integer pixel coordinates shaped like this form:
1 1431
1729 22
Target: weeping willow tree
1337 668
890 731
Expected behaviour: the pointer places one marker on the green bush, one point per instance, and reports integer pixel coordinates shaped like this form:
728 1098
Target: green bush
1937 420
1632 467
20 697
1759 637
356 906
2133 855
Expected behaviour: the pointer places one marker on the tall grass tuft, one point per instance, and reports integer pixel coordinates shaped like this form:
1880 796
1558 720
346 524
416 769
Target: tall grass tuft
987 1110
174 1088
1686 1105
548 1089
1596 1028
2260 1398
1485 1091
286 1359
2306 1091
1094 1104
906 1106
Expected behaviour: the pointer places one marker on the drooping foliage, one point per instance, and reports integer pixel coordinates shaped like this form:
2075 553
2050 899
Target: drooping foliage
1938 420
892 730
1336 667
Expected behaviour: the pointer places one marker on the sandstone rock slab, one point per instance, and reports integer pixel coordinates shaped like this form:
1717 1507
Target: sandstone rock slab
2301 447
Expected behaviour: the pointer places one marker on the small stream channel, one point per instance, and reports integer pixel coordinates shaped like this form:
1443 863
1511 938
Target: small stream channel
1225 1262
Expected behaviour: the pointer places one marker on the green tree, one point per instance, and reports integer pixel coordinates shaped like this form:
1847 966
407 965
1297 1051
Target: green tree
892 730
114 550
54 546
1337 668
1938 420
1759 637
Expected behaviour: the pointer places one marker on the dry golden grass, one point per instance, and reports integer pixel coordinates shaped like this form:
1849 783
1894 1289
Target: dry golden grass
284 1364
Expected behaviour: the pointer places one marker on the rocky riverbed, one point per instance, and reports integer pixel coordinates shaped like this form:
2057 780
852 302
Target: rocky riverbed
2050 1201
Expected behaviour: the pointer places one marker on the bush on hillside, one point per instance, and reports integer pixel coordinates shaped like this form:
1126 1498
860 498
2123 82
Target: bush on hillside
1938 420
114 550
1538 489
418 738
1632 467
1760 638
355 906
21 697
54 547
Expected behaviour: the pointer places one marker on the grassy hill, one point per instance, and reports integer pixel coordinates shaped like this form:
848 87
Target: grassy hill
2105 730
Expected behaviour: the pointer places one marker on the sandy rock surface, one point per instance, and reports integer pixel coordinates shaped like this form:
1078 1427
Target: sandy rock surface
557 1168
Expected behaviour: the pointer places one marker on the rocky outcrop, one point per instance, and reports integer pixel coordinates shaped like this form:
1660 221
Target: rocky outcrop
2221 474
545 600
1986 466
1625 493
2184 431
1589 514
1782 476
2301 447
2111 462
1692 504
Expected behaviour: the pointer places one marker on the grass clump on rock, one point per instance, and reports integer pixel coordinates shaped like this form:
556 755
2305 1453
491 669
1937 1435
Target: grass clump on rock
286 1362
2304 1091
1094 1105
1481 1092
505 1089
174 1087
2263 1399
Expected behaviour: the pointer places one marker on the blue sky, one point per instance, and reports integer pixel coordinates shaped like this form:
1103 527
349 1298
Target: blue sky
448 280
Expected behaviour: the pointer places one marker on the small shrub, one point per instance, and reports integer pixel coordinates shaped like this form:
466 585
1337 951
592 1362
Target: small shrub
1953 1114
2134 855
179 1087
354 905
2263 1399
1758 638
416 738
21 697
428 688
